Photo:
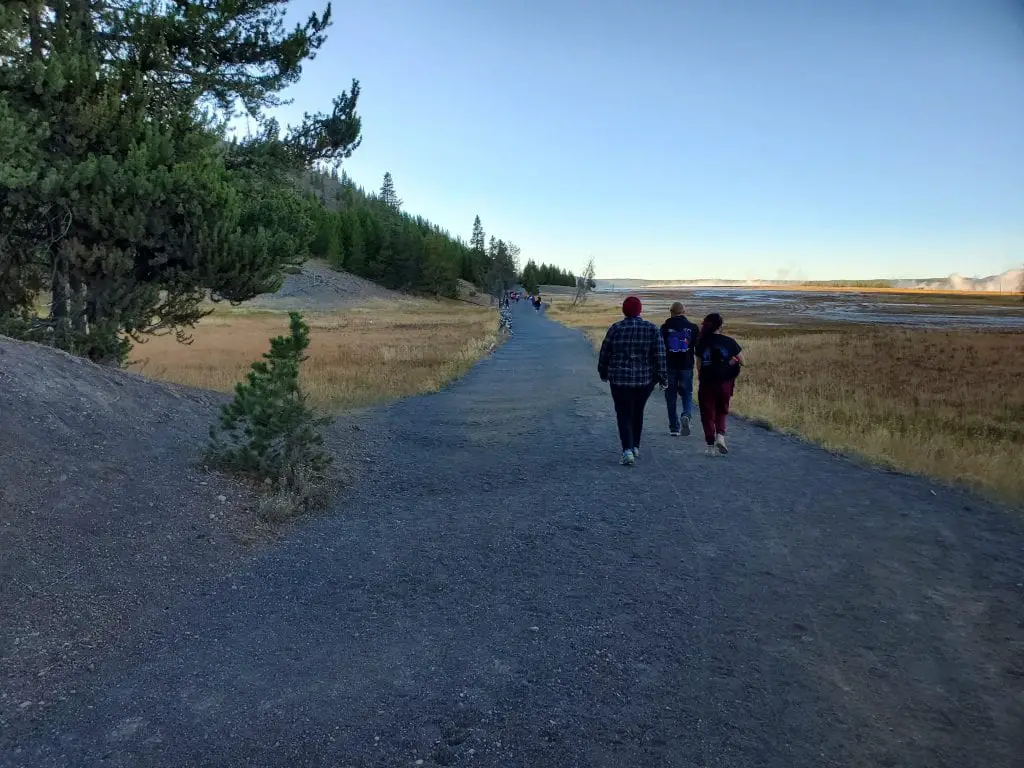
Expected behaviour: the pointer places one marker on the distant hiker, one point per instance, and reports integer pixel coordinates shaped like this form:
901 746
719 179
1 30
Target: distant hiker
537 302
720 360
680 337
632 361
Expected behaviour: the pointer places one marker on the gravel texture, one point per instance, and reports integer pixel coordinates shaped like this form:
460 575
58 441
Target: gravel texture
496 591
320 288
103 512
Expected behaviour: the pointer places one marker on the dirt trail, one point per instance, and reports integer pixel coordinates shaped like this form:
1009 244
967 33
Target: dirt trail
496 591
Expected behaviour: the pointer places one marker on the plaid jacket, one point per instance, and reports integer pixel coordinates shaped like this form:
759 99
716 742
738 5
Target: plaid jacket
632 354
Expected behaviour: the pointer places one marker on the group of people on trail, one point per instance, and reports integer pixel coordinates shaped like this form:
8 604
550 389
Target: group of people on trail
509 296
636 356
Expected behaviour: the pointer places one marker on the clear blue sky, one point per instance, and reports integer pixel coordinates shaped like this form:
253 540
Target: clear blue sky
697 138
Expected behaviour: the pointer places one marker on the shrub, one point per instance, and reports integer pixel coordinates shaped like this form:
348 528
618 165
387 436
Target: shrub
269 432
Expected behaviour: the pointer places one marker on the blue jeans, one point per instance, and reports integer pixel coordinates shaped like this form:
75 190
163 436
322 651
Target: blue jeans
680 384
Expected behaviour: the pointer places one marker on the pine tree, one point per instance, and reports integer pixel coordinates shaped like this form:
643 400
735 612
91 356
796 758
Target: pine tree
529 278
388 196
268 430
355 247
477 241
439 275
120 192
327 244
513 257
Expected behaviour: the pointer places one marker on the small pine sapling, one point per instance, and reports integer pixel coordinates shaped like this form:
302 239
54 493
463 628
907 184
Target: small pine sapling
269 431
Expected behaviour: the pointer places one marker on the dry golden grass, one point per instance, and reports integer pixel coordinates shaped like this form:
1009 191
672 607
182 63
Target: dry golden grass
382 351
948 404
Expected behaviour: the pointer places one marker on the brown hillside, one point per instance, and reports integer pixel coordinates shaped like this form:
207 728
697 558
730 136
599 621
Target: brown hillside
102 510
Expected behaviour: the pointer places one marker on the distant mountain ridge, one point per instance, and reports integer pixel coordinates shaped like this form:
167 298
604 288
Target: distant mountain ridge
1010 281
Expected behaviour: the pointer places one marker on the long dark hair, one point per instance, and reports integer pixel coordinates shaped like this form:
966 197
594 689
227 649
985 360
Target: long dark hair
712 324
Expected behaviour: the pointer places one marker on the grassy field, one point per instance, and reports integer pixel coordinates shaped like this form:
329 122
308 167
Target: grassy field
382 351
948 404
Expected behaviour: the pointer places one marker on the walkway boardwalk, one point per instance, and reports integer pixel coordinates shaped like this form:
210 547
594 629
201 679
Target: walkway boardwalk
496 591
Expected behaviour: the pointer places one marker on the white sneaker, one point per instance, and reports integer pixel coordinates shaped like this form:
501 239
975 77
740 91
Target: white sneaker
710 450
628 459
720 444
636 454
673 433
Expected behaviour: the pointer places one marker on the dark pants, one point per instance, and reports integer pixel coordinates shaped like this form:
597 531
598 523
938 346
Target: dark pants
680 384
629 412
714 397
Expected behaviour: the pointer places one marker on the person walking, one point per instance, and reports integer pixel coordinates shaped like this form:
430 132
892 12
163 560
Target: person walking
632 361
537 302
720 360
680 337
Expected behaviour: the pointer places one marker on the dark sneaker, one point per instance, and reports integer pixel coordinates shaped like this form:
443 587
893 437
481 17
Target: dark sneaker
684 427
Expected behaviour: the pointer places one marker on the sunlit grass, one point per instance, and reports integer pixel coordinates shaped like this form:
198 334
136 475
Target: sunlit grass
948 404
357 357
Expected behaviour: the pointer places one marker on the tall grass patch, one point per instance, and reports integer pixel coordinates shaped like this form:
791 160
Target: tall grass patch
357 357
947 404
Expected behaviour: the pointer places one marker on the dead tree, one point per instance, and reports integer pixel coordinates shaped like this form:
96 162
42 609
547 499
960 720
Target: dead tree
584 283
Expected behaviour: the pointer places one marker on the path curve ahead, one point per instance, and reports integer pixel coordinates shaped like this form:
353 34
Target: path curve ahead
497 591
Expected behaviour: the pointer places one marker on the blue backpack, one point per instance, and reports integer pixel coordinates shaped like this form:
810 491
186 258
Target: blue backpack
680 341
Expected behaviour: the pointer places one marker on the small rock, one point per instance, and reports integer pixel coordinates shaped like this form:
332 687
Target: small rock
25 705
222 498
535 629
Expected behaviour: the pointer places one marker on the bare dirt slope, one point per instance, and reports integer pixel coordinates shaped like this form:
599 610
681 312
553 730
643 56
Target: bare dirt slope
497 591
319 288
102 511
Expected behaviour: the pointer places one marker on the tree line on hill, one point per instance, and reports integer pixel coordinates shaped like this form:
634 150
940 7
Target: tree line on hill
534 276
369 235
122 199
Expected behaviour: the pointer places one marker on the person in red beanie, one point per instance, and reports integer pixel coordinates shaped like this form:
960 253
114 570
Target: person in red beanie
632 361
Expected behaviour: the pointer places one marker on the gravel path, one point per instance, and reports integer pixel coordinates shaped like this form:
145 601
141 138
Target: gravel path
497 591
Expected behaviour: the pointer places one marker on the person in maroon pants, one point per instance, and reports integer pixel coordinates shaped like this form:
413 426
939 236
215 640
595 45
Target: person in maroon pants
720 358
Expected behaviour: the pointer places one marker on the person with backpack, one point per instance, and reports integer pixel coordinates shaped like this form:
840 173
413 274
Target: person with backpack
632 361
537 302
680 337
720 360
